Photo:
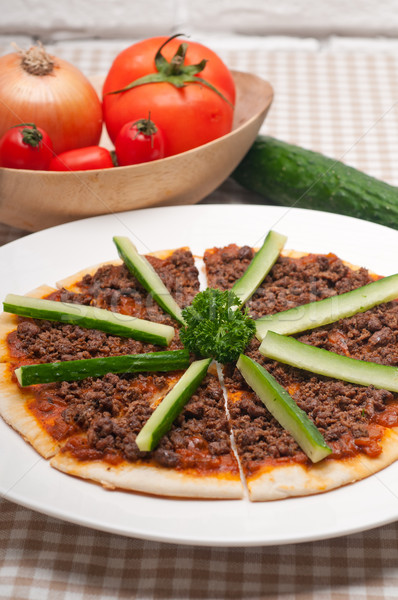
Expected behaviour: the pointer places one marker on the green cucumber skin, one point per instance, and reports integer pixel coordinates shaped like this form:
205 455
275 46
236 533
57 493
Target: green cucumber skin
290 351
329 310
282 406
172 404
125 247
260 266
75 370
38 308
288 175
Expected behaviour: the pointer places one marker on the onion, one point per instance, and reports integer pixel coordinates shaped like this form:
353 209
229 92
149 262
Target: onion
42 89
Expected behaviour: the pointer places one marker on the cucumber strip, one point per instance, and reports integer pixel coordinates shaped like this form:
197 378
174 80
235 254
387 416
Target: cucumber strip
260 266
282 406
329 310
74 370
172 404
143 271
317 360
89 317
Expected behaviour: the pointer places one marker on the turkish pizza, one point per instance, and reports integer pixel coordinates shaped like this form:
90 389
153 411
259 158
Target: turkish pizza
279 379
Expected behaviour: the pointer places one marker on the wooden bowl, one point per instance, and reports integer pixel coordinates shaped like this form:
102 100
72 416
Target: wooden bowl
34 200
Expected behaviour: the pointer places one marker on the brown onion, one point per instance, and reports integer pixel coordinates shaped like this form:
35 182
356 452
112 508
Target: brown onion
50 92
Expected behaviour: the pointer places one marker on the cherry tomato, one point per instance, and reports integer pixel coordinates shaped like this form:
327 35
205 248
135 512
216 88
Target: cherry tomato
199 110
82 159
26 146
138 142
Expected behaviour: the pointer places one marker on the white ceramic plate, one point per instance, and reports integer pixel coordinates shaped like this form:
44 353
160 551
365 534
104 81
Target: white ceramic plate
45 257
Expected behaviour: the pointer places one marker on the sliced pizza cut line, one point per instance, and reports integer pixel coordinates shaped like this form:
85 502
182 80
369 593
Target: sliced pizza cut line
193 459
270 478
243 479
273 464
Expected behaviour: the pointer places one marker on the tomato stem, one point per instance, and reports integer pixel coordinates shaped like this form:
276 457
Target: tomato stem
32 136
146 127
175 72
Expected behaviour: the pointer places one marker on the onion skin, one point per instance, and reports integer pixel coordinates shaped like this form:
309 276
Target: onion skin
63 103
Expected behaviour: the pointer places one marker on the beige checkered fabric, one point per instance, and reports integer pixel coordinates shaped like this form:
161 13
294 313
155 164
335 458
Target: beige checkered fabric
46 559
343 103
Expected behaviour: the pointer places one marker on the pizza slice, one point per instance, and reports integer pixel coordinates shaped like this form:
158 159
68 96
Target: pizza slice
358 423
88 427
193 459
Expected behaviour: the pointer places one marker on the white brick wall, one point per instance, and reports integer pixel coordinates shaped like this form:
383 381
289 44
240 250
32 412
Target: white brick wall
297 17
51 19
87 18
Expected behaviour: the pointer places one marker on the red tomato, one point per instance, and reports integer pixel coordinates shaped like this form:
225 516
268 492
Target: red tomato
188 116
138 142
26 146
82 159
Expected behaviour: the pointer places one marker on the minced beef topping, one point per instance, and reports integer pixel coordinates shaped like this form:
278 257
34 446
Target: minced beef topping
113 410
371 336
291 282
47 341
112 288
115 288
348 416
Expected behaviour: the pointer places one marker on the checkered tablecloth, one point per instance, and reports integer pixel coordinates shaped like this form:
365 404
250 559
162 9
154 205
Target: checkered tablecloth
336 98
47 559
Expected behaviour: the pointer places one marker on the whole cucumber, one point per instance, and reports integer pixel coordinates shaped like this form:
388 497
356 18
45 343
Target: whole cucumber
288 175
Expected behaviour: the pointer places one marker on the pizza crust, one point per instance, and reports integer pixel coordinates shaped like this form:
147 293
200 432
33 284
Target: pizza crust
298 254
14 410
8 323
275 483
70 283
151 479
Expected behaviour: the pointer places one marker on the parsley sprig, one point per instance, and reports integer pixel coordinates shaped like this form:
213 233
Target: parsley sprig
216 327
